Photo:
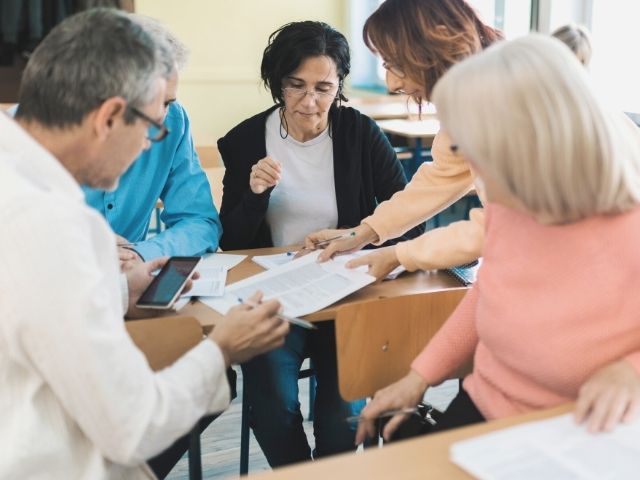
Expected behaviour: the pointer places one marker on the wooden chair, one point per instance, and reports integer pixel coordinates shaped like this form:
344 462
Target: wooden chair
163 341
377 340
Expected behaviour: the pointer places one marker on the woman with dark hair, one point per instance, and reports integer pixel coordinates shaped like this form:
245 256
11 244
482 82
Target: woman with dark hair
419 40
305 163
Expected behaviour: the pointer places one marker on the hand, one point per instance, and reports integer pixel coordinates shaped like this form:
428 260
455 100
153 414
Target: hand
138 279
128 257
381 262
246 332
364 235
405 393
265 174
608 397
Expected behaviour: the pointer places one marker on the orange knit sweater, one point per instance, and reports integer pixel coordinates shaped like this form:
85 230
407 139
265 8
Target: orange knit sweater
552 304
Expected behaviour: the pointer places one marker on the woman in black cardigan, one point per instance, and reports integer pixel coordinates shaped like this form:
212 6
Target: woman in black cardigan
304 164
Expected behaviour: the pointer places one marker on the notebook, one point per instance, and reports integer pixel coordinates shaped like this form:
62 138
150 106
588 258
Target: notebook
465 274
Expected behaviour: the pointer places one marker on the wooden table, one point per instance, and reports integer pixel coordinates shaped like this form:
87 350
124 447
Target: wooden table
424 457
406 284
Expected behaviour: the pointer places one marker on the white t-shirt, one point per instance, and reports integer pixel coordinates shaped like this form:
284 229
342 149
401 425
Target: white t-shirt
305 198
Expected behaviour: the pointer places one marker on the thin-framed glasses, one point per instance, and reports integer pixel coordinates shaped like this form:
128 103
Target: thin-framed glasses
298 93
156 130
393 69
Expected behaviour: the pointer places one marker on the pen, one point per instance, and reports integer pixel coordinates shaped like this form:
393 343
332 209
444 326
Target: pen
293 320
126 245
390 413
337 237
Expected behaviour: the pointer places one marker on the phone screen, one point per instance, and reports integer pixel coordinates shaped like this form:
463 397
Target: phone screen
165 287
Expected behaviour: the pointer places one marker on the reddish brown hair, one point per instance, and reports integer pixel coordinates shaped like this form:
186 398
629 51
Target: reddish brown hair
423 38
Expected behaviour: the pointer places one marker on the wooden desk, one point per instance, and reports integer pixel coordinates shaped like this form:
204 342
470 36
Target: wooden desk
405 284
424 457
414 129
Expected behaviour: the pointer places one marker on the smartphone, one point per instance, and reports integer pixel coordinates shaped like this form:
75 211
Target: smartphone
165 288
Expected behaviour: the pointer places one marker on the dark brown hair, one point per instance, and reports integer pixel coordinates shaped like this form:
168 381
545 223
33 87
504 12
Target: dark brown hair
423 38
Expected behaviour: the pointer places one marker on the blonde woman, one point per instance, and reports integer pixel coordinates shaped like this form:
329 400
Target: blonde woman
553 317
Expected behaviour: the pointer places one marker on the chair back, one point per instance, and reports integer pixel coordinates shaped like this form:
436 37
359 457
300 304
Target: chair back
164 339
377 340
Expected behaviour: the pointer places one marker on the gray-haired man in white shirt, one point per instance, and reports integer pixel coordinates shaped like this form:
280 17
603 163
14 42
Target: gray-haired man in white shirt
78 399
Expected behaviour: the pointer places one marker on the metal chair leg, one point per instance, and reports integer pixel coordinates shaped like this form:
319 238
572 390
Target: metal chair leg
195 459
244 433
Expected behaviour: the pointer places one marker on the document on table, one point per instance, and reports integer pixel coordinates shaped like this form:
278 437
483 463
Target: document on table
303 286
555 448
228 260
273 261
210 284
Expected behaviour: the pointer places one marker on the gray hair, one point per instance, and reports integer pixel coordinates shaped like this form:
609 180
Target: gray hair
88 58
160 33
525 114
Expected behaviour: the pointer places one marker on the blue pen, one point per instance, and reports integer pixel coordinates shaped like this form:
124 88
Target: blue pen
293 320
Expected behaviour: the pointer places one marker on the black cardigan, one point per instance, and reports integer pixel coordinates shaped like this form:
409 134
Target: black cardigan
365 167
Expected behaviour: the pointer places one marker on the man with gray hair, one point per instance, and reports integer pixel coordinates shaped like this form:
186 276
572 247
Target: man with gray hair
78 398
170 171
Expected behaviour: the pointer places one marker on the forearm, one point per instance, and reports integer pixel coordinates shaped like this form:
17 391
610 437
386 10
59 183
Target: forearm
456 244
428 193
195 236
452 346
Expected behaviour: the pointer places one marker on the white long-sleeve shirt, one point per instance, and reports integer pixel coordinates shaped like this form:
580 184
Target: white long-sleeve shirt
78 399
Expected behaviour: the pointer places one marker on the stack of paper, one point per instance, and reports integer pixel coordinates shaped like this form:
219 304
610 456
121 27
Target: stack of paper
302 286
273 261
552 449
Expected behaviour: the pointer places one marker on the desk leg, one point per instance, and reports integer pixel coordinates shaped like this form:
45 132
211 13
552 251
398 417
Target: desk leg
195 459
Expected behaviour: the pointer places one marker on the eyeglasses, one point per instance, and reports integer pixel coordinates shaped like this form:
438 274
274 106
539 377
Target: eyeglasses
156 130
393 69
299 93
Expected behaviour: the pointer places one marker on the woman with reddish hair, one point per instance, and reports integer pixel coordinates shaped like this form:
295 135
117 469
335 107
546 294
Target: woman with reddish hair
419 40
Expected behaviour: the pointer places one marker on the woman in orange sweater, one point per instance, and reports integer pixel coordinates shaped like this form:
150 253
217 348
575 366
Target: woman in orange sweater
554 314
419 40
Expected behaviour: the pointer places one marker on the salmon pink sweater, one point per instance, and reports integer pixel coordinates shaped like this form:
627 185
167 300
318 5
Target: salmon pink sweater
552 304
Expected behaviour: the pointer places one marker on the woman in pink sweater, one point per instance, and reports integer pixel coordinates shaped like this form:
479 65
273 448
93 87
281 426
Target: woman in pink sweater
554 316
419 40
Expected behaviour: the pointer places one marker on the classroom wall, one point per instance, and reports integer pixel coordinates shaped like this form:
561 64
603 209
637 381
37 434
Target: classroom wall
220 87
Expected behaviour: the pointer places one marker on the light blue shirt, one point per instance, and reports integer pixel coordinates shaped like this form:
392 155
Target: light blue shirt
169 170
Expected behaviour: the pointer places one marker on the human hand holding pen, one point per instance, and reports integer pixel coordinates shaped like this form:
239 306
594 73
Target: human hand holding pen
126 254
246 331
338 243
406 393
292 320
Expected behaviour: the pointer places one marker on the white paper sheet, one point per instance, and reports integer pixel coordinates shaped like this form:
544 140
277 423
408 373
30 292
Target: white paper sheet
228 260
273 261
210 284
552 449
302 286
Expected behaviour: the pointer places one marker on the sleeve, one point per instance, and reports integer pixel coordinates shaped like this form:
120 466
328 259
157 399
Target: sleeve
389 176
453 345
242 211
74 337
434 187
193 226
456 244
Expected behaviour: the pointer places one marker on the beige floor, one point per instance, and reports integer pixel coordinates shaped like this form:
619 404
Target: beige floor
221 441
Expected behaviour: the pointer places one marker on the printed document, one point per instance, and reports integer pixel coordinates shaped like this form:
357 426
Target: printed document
273 261
303 286
552 449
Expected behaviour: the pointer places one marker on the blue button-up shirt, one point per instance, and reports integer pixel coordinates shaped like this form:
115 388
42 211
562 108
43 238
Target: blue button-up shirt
169 170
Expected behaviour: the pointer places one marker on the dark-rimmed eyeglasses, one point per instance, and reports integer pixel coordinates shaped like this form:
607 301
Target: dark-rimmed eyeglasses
298 93
156 130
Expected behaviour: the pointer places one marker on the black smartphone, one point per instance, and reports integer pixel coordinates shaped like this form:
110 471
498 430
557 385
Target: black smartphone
165 288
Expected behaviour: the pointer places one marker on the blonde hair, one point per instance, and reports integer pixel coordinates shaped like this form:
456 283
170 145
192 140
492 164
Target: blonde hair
524 113
578 39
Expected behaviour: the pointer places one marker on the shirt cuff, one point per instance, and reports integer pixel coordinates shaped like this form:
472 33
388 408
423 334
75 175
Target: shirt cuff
124 293
210 357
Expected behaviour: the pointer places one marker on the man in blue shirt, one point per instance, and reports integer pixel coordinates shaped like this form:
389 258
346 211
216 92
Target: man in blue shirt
170 170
